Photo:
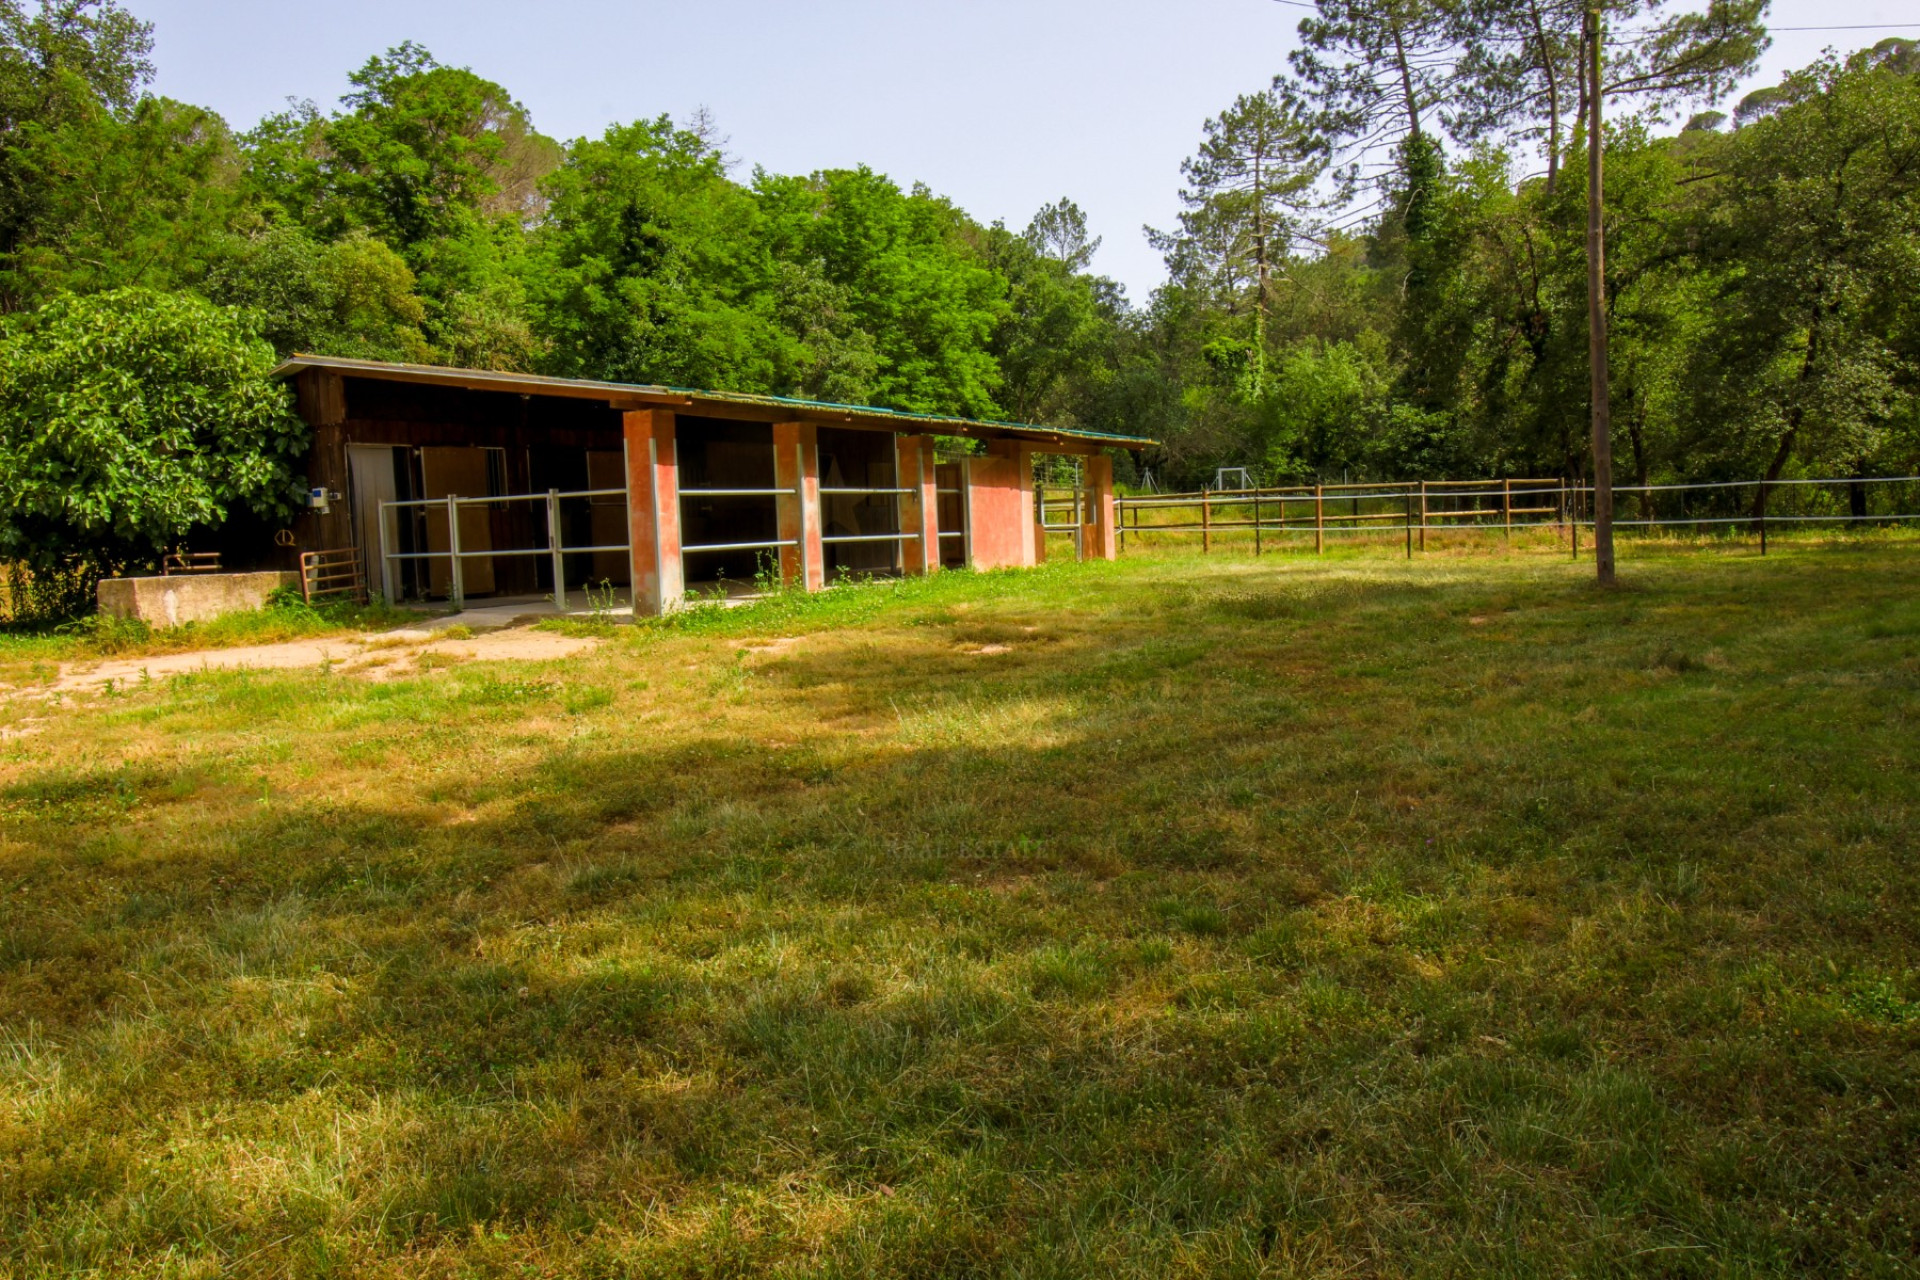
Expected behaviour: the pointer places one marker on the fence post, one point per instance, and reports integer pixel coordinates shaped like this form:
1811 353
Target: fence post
1256 521
1206 520
553 545
1573 506
1120 519
1506 508
1080 519
1319 520
386 554
1408 496
1763 517
456 580
1423 515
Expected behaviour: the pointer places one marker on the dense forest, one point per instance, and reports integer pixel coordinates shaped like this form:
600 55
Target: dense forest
1381 269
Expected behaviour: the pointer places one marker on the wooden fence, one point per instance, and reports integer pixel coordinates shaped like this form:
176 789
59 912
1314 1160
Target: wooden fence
1501 507
1334 510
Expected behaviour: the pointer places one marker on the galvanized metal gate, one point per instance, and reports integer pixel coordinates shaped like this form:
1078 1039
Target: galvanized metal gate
456 557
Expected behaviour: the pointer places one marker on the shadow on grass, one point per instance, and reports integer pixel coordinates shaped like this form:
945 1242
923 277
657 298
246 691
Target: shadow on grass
1280 929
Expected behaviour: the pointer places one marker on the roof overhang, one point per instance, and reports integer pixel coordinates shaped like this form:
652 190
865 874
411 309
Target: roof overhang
629 395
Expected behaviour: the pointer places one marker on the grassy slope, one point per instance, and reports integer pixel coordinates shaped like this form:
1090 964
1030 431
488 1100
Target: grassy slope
1237 919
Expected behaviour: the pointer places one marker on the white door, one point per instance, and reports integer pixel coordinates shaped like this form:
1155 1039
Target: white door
370 475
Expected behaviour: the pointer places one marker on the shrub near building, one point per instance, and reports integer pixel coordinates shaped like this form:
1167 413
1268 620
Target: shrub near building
129 419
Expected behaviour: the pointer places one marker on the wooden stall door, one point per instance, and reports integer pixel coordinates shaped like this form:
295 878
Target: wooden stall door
466 472
373 480
950 480
607 469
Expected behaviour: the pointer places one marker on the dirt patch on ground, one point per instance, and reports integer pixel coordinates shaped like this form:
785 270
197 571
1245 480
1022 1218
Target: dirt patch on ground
522 644
382 656
771 648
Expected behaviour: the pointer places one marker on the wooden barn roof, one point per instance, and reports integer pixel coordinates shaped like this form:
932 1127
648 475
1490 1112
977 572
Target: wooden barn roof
628 395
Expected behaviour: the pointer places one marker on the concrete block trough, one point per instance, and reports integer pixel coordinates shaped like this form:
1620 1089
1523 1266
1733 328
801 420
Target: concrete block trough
199 597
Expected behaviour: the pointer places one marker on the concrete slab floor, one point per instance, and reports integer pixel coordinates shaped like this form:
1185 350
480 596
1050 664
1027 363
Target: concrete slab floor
493 612
490 612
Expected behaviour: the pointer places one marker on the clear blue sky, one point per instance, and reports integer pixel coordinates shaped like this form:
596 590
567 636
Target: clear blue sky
1000 104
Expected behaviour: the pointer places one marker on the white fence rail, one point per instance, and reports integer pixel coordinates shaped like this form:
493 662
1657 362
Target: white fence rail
456 556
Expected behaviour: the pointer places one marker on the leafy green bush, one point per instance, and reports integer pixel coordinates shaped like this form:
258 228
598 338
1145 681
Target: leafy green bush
128 419
285 598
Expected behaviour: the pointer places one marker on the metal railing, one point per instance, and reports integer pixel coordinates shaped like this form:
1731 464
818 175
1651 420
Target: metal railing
177 563
331 573
949 493
826 539
1075 502
844 491
769 544
456 556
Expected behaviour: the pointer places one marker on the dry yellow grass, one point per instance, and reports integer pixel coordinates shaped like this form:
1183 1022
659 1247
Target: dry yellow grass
1176 917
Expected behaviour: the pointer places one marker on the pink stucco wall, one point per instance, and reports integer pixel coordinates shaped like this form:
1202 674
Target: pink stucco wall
1000 512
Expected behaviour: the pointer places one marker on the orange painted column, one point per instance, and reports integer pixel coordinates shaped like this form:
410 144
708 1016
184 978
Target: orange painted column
920 507
653 511
1100 537
1000 507
796 468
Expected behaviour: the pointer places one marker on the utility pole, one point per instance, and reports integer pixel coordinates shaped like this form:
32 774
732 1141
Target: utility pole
1597 312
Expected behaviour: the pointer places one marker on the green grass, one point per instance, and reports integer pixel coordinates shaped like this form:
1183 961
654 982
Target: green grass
1185 916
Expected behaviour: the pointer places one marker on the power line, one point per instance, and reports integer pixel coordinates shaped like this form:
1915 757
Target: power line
1863 26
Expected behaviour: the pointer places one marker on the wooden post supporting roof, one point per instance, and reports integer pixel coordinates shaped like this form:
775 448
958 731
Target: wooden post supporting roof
320 395
653 511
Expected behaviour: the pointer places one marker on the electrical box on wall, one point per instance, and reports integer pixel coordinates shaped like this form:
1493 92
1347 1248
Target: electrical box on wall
318 501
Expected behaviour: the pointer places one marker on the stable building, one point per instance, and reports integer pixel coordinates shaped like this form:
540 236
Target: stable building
435 483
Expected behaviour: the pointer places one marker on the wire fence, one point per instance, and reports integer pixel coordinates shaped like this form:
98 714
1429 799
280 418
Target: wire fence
1419 511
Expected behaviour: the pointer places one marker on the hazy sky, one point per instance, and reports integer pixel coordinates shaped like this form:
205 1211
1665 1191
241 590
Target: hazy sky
1000 104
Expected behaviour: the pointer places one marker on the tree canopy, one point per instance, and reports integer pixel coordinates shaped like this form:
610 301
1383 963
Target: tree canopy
1379 268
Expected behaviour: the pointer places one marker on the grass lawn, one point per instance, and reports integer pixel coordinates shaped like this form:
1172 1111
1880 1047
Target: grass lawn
1184 916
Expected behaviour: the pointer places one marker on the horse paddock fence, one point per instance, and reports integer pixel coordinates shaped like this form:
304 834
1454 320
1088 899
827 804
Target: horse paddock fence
1291 515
